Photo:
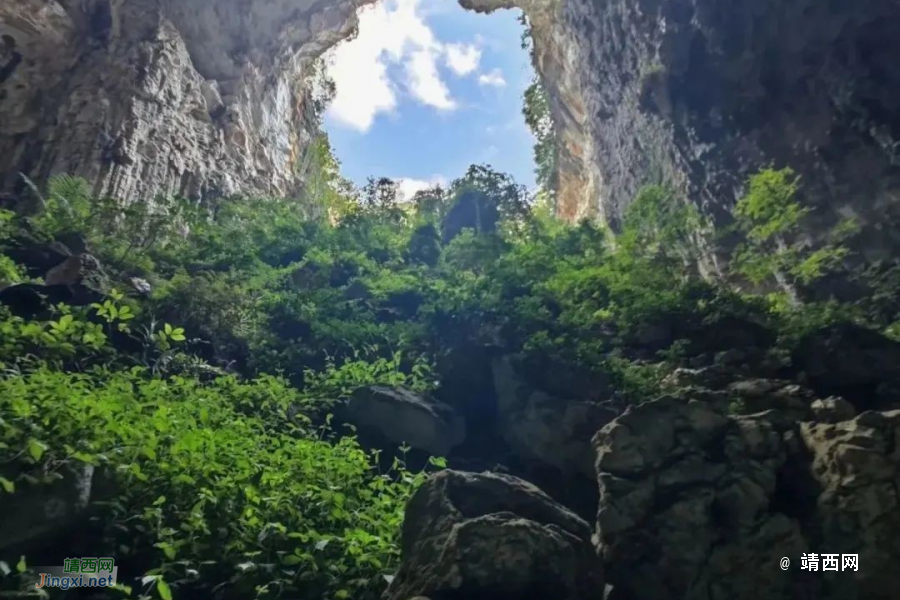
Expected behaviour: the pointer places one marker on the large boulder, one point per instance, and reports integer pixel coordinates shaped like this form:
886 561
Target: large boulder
551 430
491 536
856 464
697 504
404 417
81 269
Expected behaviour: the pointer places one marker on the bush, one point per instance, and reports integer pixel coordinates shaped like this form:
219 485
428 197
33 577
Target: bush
213 484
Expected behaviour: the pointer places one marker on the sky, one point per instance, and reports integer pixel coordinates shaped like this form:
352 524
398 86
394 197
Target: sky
428 88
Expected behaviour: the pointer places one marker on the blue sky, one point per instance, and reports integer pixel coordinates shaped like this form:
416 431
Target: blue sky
428 88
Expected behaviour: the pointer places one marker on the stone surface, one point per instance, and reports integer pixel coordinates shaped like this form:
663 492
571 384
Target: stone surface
82 269
698 505
404 417
479 536
857 465
538 426
702 93
833 410
150 96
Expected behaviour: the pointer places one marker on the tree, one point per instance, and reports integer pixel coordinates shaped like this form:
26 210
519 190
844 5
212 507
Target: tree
536 109
770 217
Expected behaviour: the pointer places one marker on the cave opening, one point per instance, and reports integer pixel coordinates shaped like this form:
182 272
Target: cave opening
425 89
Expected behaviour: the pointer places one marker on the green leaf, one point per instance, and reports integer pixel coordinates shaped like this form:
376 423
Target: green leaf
36 449
21 566
8 485
163 589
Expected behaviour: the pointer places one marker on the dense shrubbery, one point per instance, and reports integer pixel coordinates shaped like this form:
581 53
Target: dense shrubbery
222 480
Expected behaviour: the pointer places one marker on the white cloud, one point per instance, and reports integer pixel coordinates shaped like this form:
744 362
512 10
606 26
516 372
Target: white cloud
425 82
407 187
494 78
390 33
463 58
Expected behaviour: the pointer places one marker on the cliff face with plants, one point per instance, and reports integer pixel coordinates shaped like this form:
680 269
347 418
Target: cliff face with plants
201 99
697 94
207 99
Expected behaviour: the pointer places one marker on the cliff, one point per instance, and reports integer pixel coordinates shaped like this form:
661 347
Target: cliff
148 96
700 93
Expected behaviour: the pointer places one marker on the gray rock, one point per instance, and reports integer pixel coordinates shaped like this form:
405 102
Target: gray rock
833 410
82 269
486 535
698 505
551 430
701 93
149 116
140 285
402 416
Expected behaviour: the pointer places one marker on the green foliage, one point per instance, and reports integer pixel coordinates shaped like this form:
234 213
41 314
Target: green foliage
339 381
536 109
10 272
770 218
219 475
65 209
658 224
210 483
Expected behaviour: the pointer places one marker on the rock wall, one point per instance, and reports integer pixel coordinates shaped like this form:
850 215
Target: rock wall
161 96
701 93
702 506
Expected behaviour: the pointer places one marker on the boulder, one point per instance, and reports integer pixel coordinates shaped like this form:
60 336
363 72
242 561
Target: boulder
37 257
699 505
81 269
541 427
404 417
856 464
140 286
480 536
833 410
685 505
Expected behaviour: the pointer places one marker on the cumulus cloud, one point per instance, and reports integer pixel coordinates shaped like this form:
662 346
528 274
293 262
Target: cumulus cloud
425 82
392 33
494 78
407 187
463 58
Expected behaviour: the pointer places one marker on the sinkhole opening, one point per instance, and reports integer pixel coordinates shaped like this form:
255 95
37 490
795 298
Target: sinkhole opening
425 89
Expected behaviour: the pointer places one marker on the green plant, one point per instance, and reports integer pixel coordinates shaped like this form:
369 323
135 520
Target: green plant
770 217
66 208
536 109
212 483
339 381
10 272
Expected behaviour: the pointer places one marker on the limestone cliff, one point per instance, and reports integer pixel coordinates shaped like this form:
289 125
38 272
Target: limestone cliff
161 96
701 93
